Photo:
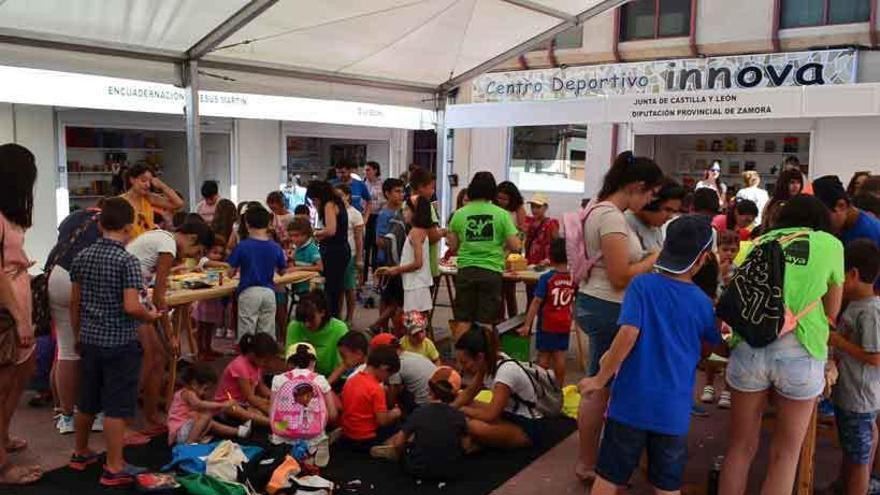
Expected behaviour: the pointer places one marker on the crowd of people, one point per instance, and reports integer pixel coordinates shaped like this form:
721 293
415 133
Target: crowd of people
660 278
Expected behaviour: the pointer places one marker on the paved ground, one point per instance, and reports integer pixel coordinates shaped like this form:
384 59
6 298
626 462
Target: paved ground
553 473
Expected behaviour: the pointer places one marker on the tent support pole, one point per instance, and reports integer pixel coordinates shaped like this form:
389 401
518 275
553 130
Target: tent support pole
444 168
193 129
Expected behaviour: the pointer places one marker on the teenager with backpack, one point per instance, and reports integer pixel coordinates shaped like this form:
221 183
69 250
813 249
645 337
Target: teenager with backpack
780 345
523 395
604 255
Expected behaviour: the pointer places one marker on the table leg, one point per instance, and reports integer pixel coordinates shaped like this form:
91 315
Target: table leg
804 484
172 332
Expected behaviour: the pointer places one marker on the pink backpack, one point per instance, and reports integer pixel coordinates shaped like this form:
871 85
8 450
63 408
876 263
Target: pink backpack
292 420
579 261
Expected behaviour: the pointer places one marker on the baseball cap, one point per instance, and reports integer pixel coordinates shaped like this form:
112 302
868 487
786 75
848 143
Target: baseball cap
447 374
384 339
415 322
687 237
539 199
309 348
829 190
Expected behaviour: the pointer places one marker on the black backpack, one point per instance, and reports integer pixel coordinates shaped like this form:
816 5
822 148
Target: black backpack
752 304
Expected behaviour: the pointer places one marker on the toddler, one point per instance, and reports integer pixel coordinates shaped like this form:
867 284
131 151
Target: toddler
303 404
191 415
416 325
242 380
210 314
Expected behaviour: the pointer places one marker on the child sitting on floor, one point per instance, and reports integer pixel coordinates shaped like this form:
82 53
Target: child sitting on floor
209 314
433 440
191 415
353 348
856 395
416 339
303 404
242 380
551 304
366 419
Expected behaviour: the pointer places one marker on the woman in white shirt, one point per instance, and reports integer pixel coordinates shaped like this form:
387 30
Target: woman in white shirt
753 192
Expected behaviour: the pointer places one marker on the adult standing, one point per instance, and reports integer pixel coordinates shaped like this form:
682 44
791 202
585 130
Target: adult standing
77 232
140 182
373 181
360 194
792 366
332 239
628 185
210 197
509 198
754 192
712 180
789 184
480 231
18 172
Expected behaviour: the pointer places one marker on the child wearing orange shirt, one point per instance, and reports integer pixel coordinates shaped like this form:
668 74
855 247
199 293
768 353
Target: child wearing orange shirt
364 406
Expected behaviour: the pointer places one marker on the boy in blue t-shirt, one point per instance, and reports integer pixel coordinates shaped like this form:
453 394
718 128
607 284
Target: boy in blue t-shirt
663 322
552 305
257 258
306 255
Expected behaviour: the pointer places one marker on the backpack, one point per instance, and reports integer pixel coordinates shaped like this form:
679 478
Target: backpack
579 261
396 236
753 303
292 420
547 391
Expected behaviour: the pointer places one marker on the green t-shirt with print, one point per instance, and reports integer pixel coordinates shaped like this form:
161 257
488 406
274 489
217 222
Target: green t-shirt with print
812 263
324 340
482 230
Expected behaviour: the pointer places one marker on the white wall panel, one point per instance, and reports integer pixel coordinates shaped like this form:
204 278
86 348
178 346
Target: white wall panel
259 158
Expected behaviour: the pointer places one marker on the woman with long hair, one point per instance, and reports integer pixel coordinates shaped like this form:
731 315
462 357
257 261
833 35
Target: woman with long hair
712 180
18 172
225 216
789 184
753 191
790 371
140 182
508 197
332 239
373 181
628 185
855 184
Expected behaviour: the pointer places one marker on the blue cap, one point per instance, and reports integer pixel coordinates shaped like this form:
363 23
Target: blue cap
687 237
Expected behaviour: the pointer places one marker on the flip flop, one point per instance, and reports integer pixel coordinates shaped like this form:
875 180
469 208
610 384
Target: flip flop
133 439
16 445
20 475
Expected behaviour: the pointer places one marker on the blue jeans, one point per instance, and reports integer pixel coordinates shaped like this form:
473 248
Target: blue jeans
598 319
856 432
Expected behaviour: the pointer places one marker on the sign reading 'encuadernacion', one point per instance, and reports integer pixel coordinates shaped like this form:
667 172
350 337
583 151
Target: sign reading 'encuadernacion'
667 76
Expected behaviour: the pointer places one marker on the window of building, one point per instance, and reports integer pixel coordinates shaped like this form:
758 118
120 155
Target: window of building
648 19
573 38
804 13
549 158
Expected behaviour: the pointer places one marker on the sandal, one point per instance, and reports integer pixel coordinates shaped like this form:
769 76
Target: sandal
20 475
16 445
134 438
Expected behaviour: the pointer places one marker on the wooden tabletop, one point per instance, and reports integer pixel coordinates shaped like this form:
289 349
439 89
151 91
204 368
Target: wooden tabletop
529 276
186 296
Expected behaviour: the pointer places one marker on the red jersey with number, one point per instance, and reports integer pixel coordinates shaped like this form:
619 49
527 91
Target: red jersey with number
557 292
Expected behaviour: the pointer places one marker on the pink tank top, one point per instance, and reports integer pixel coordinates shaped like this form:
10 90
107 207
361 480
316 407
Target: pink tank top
178 414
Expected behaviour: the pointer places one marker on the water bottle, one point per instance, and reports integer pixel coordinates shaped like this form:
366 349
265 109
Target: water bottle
714 476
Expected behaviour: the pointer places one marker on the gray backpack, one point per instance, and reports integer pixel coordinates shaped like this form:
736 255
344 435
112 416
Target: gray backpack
547 391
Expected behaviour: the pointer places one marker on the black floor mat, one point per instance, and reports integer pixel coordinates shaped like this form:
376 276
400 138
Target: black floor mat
485 471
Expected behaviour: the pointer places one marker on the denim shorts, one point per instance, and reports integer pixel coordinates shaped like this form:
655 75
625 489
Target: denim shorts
622 448
109 377
598 319
783 365
856 432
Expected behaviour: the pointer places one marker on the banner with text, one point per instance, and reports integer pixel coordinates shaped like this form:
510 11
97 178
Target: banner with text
669 76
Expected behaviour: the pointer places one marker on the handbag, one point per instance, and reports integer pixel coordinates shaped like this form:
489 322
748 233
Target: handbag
9 341
41 315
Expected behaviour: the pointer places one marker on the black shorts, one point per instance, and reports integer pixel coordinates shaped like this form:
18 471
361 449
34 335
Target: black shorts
393 291
110 377
477 295
533 428
622 448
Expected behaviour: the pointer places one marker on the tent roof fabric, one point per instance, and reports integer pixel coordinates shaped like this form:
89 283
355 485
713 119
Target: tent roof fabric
410 45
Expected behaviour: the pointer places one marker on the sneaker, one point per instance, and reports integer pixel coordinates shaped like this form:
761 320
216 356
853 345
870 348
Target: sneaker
724 401
98 424
322 453
230 333
874 486
125 477
699 412
79 462
65 424
384 452
708 396
244 430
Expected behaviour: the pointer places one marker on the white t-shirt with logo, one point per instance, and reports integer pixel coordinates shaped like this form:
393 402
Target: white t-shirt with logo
512 375
148 246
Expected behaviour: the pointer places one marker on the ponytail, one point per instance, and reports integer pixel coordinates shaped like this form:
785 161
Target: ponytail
301 358
628 169
480 340
259 344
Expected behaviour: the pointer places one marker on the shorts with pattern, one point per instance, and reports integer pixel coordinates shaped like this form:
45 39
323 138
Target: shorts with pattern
856 432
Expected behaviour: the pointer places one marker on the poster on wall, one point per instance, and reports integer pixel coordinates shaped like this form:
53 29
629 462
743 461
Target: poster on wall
826 67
